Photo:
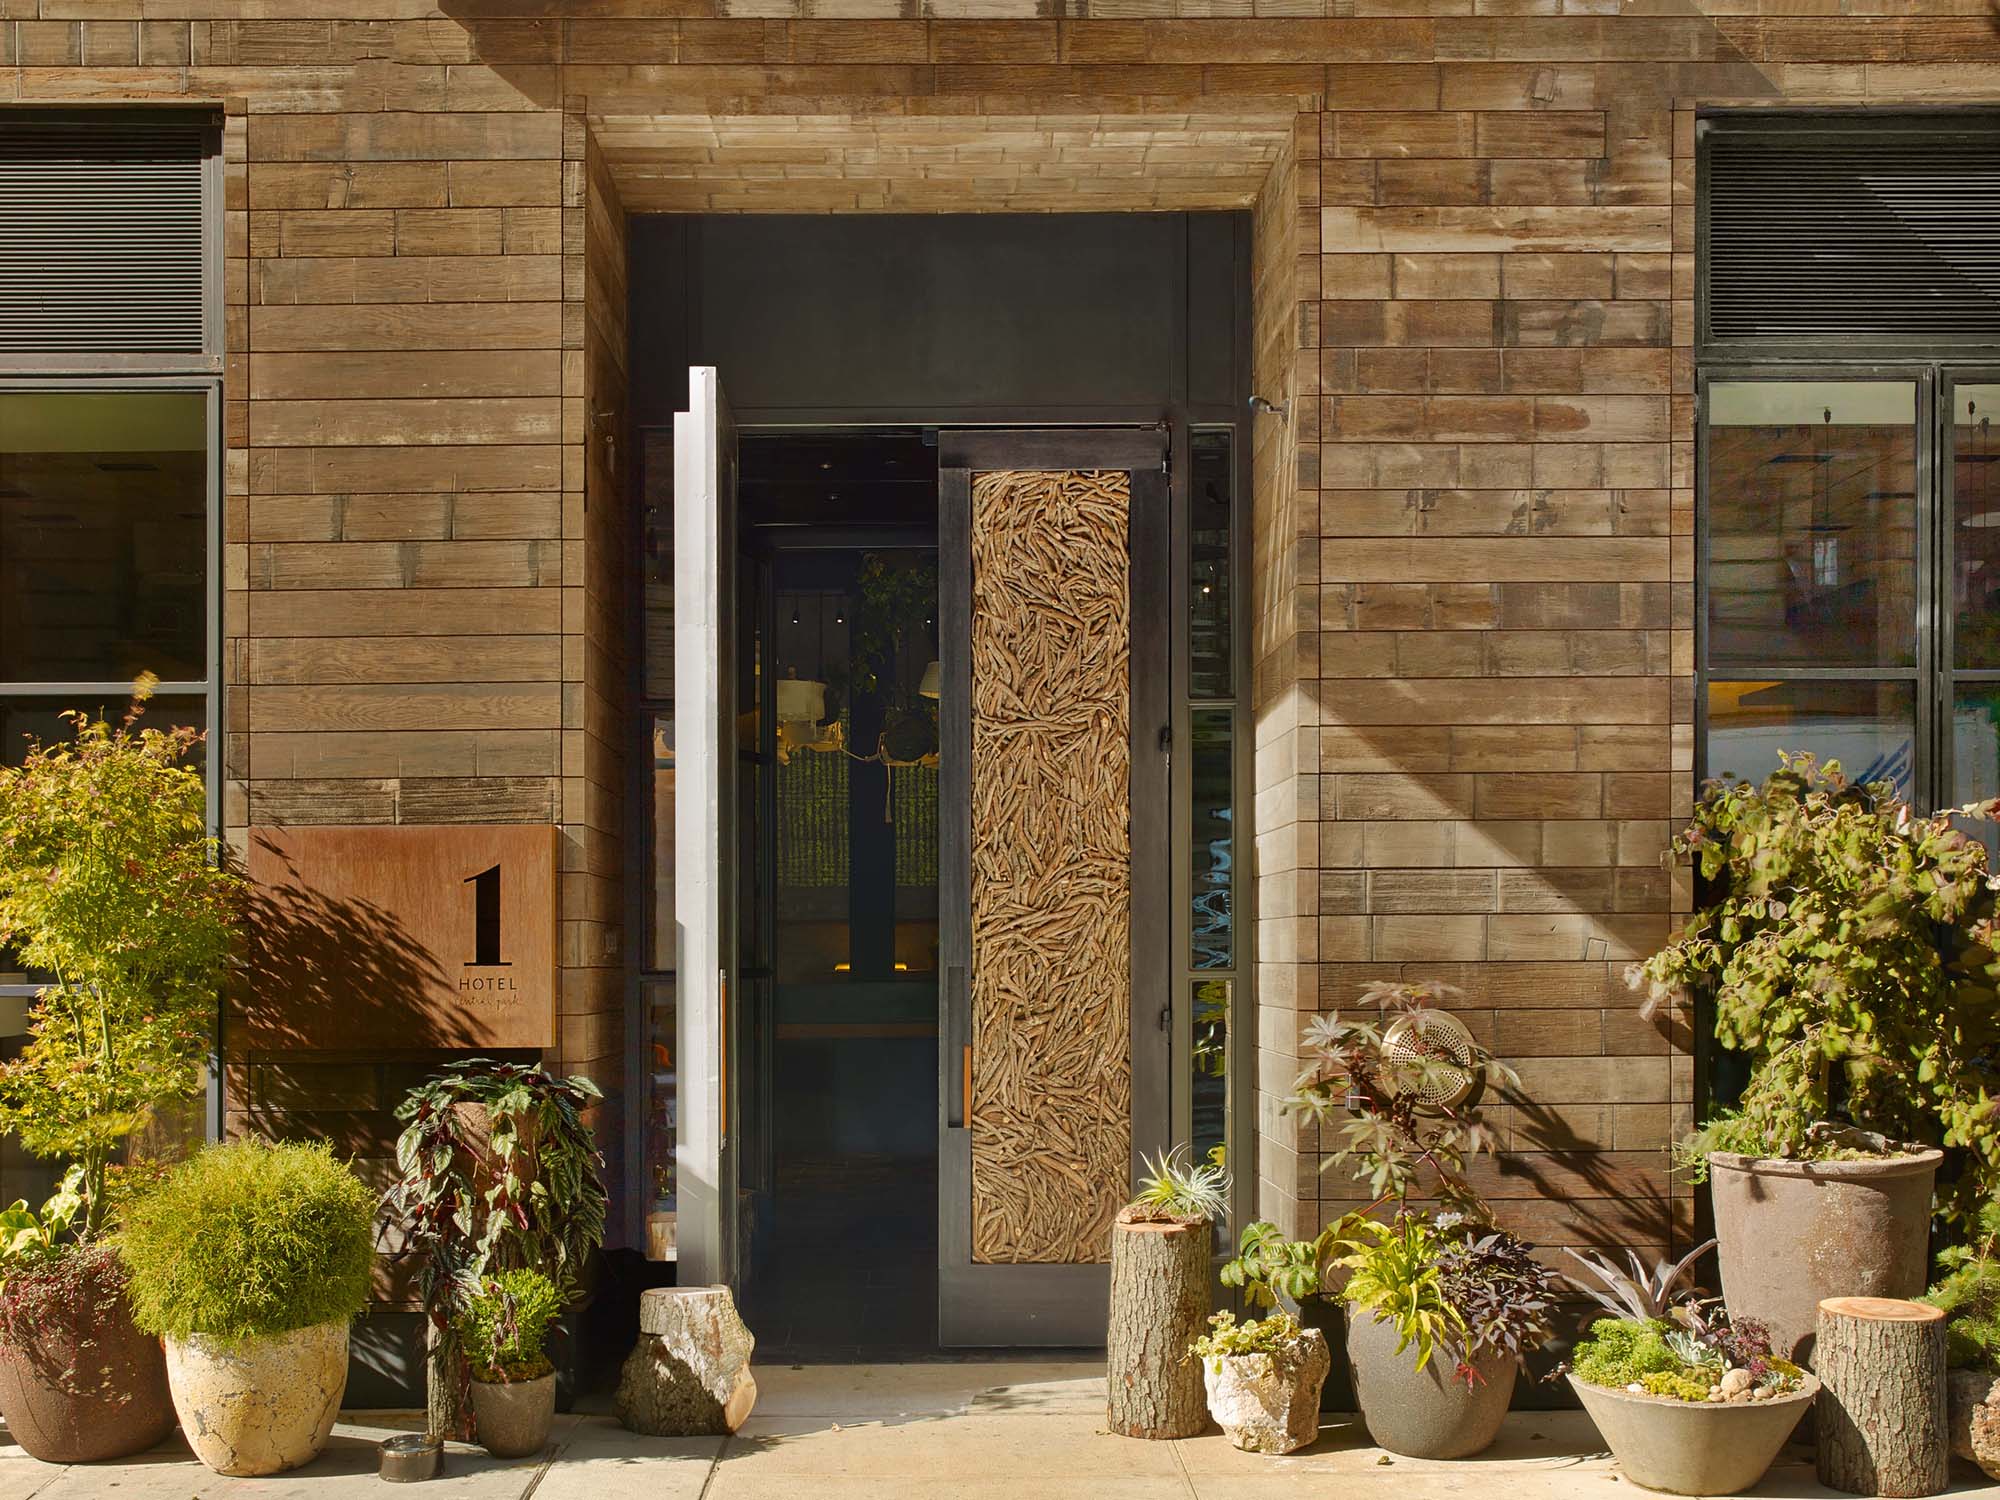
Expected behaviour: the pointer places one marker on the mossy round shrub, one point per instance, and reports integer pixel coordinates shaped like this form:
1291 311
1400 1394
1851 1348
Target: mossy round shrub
250 1239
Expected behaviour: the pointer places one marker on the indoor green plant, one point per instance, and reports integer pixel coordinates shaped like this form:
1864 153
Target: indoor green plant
1399 1096
1263 1379
1691 1402
496 1170
503 1327
1159 1297
109 885
250 1259
1846 945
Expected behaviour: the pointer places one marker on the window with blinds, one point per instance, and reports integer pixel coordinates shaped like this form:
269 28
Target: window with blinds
1867 229
103 232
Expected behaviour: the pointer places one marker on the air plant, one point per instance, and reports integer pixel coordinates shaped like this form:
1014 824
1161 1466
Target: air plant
1175 1188
1645 1293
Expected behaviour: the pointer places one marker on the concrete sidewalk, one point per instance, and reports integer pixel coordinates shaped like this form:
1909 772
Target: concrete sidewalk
981 1431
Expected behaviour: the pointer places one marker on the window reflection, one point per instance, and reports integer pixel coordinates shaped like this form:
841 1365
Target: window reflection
1869 727
1211 1065
103 535
1209 603
1975 526
1812 523
1212 833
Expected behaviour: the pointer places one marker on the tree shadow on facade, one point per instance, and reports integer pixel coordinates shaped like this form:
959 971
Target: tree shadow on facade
322 973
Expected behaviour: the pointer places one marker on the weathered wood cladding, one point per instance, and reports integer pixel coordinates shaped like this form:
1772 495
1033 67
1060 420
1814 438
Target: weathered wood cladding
1474 534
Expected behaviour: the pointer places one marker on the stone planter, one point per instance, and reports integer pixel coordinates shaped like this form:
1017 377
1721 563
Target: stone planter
1792 1233
1428 1413
512 1418
81 1395
1693 1447
259 1405
1972 1400
1269 1403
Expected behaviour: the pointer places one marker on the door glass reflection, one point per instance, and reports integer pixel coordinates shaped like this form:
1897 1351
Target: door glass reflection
1869 727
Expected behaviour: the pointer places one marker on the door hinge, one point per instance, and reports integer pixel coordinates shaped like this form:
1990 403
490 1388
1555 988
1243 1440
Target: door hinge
1166 738
1167 1016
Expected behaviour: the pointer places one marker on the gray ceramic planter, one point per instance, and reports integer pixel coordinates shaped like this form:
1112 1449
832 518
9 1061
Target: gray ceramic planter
1693 1447
1428 1413
1793 1233
513 1418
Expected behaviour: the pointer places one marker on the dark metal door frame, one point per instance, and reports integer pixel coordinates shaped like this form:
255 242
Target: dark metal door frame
1049 1305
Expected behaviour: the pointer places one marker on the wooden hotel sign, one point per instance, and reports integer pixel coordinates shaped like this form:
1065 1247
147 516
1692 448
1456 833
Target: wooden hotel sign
401 936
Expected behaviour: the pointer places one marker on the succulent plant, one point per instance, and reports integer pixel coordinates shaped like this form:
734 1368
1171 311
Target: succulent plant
1645 1292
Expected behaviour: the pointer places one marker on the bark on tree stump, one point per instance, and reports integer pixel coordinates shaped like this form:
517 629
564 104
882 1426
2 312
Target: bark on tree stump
1159 1304
1880 1415
689 1374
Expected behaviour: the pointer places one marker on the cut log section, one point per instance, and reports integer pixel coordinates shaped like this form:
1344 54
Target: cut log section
1880 1415
1159 1305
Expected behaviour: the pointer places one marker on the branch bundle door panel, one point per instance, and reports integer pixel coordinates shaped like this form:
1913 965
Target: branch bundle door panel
1053 870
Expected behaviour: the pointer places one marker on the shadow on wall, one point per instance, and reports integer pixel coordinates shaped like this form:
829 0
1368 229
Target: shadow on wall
318 966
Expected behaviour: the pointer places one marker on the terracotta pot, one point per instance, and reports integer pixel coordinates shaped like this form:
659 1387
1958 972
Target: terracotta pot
1793 1233
1428 1413
87 1391
513 1417
259 1405
1693 1447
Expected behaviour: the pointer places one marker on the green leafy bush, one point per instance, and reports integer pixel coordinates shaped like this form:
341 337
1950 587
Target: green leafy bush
1848 945
248 1239
109 881
1395 1277
1267 1264
1970 1297
1624 1351
505 1324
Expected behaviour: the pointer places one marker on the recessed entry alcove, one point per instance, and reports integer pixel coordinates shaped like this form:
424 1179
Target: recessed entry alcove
980 474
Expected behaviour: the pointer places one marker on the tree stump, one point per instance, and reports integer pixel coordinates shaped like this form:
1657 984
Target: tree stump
1159 1305
689 1374
1880 1415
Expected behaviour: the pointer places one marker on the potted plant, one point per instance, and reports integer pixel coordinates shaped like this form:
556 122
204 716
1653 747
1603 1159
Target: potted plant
1441 1315
251 1259
79 1382
1848 948
1694 1403
503 1328
497 1170
1159 1298
1272 1270
109 884
1969 1294
1263 1379
1400 1099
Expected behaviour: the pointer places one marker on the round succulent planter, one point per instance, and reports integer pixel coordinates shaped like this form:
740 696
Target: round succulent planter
1267 1403
1693 1447
1427 1413
85 1393
259 1405
512 1418
1793 1233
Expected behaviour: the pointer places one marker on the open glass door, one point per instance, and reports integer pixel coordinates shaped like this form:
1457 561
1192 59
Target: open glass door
708 839
1053 869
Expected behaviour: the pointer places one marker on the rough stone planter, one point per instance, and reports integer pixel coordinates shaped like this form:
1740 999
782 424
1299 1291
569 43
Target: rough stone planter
1428 1413
114 1404
1972 1400
1792 1233
512 1418
1269 1403
259 1405
1693 1447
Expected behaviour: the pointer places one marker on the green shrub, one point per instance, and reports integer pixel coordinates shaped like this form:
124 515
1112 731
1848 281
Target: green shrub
250 1238
1277 1334
505 1324
1624 1351
1970 1297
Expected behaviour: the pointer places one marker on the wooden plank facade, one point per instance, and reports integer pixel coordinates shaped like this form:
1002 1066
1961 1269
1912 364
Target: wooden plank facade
1474 537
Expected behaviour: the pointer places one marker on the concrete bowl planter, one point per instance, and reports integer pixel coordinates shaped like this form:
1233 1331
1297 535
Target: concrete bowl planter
1427 1413
259 1405
1693 1447
1268 1403
512 1418
1792 1233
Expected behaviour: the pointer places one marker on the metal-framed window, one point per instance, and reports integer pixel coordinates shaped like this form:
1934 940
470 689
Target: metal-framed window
111 431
